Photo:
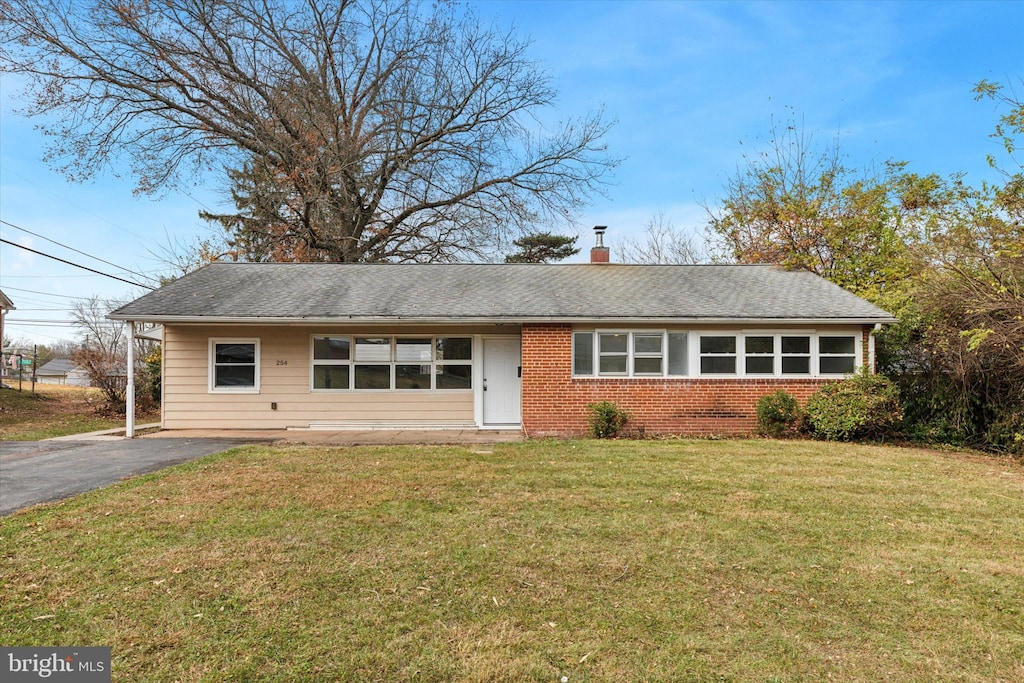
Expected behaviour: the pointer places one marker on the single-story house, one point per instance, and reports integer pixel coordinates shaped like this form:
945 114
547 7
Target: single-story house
63 371
686 349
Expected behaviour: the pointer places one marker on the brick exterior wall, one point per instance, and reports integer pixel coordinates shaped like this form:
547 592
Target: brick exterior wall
555 403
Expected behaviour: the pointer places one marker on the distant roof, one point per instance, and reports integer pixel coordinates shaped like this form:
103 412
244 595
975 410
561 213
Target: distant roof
57 366
342 292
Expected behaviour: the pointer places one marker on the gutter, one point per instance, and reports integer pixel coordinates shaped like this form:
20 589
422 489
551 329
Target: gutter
476 320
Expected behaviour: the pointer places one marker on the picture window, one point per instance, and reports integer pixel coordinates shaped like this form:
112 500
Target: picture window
345 363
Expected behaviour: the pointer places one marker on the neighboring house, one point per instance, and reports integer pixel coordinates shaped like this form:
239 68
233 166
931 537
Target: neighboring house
63 371
686 349
5 305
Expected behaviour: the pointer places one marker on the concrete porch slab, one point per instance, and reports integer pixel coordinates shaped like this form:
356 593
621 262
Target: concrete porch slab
349 437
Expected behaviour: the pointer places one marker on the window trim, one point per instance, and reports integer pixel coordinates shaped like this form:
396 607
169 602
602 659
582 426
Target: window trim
627 354
694 356
593 354
314 361
774 356
392 364
630 354
857 354
810 355
737 367
211 352
660 355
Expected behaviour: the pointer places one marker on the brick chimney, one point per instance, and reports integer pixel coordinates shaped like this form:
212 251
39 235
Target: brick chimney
599 253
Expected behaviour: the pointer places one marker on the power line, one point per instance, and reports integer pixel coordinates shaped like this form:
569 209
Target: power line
48 277
71 203
33 321
58 323
37 333
36 291
27 300
77 251
91 270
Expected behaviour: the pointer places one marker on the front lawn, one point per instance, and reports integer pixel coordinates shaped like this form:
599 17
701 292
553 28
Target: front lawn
55 410
592 561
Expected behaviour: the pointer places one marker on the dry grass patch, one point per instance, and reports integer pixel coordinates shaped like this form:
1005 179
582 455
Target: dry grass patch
54 410
651 561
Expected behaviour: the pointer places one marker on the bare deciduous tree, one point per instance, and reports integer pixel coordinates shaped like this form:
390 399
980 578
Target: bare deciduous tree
108 337
104 352
661 242
352 129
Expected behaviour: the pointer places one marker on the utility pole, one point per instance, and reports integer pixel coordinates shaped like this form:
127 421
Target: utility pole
35 357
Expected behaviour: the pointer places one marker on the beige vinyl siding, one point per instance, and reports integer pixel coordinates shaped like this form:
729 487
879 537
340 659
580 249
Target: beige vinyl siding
284 380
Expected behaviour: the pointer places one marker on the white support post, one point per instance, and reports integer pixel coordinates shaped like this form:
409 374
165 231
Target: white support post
129 411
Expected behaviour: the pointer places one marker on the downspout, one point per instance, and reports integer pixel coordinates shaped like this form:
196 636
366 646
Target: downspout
129 409
871 347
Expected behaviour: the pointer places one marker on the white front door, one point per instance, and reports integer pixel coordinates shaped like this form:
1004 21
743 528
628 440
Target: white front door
502 383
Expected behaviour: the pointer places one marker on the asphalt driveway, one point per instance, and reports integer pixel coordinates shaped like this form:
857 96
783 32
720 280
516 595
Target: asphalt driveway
42 471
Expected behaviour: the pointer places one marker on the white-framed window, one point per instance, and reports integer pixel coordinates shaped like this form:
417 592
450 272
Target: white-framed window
740 353
454 363
837 354
234 366
386 363
759 354
629 353
717 354
613 353
648 353
678 353
372 367
796 354
583 353
332 369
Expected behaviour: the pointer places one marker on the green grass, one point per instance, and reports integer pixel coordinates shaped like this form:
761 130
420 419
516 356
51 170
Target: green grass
597 561
52 411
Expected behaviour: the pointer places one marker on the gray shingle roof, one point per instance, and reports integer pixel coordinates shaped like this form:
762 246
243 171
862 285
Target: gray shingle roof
57 366
323 292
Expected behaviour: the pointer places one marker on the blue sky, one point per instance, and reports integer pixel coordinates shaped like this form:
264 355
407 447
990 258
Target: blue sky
691 85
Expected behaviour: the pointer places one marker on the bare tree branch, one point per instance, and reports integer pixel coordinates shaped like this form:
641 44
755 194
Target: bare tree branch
661 242
353 129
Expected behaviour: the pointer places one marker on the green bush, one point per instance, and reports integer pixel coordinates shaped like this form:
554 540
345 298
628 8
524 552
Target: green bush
863 406
607 420
1007 434
154 375
778 414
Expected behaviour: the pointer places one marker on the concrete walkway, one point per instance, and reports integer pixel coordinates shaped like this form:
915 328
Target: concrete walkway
335 437
350 437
